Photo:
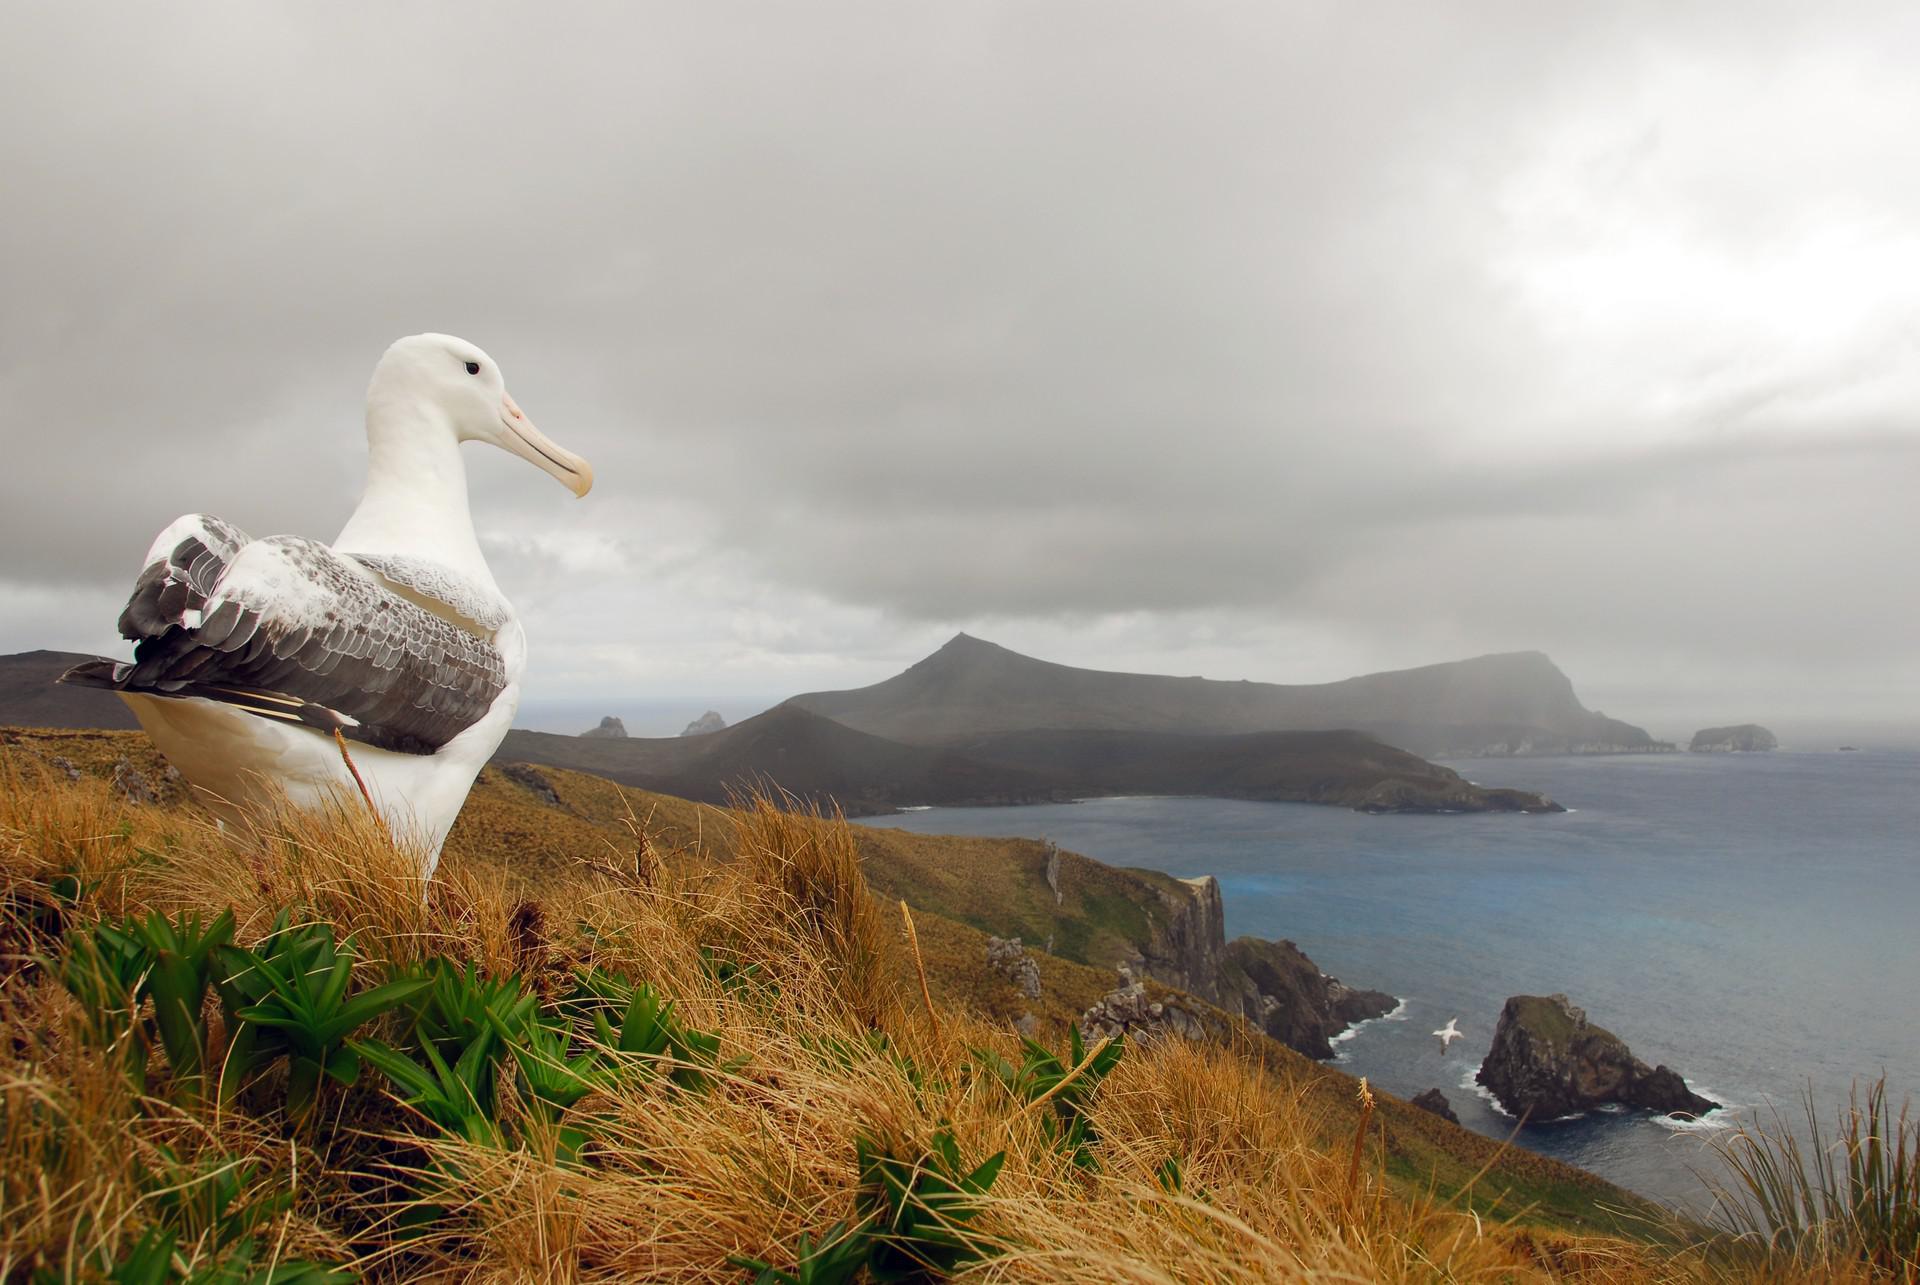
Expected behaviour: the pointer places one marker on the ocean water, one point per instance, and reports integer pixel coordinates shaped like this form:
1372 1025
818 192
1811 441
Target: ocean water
1752 921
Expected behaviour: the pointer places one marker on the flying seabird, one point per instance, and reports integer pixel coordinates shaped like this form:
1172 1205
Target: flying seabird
1448 1034
252 656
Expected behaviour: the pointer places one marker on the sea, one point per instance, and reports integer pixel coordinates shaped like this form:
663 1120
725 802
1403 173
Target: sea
1751 920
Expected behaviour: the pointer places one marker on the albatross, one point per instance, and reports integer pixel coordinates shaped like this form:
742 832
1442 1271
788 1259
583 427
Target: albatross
252 656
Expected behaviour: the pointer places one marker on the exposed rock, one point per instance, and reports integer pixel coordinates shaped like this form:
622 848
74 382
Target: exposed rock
707 722
1129 1010
1745 738
1435 1101
1273 984
65 766
1026 1025
130 785
1186 937
1053 870
610 729
1396 795
1548 1061
529 777
1006 956
1285 994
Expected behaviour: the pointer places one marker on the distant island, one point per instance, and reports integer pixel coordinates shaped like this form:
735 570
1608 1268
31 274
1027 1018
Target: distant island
1515 703
610 729
1742 738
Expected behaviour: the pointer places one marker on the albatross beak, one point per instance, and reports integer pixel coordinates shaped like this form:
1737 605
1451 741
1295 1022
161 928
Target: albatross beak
535 447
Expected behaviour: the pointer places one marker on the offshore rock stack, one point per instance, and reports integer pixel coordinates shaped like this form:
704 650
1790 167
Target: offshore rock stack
1548 1061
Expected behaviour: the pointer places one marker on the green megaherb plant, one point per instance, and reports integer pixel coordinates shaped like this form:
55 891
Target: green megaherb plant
470 1021
919 1207
154 1260
647 1029
182 963
464 1027
104 969
835 1259
457 1096
1041 1073
205 1233
290 998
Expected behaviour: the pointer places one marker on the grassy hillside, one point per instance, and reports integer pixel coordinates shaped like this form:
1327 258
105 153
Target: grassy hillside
801 1092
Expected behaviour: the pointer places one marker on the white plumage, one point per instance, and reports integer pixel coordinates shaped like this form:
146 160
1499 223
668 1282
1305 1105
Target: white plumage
1448 1034
251 655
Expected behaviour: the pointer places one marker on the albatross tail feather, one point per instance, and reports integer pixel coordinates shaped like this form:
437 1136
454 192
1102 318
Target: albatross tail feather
96 673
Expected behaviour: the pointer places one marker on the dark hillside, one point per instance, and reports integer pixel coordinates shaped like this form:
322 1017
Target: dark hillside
1517 702
29 696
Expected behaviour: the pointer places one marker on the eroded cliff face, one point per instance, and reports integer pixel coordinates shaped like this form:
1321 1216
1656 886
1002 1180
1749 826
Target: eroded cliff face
1548 1061
1272 983
1187 928
1285 994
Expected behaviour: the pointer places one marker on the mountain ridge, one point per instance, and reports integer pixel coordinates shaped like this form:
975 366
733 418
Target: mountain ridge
1503 703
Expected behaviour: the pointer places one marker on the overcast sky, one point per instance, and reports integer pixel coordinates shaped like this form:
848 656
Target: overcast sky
1280 341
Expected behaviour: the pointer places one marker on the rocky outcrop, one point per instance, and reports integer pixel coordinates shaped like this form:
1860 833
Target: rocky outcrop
1435 1101
1743 738
610 729
1281 991
1006 956
130 785
706 723
528 777
1131 1010
1548 1061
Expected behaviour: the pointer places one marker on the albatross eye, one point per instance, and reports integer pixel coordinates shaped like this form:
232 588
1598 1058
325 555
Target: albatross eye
473 368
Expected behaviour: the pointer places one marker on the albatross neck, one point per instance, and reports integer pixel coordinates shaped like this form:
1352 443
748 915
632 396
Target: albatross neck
415 502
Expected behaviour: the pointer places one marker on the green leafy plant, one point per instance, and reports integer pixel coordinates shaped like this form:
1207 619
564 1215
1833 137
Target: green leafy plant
647 1028
835 1259
205 1233
455 1096
182 962
104 969
155 1260
555 1082
919 1207
1068 1084
472 1020
290 998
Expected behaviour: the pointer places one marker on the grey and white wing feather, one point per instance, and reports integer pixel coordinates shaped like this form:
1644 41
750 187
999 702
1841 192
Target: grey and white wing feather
287 628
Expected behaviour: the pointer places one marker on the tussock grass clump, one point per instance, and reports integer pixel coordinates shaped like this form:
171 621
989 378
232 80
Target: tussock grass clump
657 1067
1853 1193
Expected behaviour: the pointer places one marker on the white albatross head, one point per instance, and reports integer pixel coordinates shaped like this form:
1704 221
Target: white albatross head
460 386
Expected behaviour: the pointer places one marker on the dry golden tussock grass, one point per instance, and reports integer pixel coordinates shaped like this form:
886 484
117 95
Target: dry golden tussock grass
1206 1165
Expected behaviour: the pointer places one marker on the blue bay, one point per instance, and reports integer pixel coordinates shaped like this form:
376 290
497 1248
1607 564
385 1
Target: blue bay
1746 919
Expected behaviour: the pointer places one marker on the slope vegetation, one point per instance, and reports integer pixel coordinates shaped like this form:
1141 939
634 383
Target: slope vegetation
758 924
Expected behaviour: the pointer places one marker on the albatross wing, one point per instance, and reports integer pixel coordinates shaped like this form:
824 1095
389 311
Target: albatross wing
288 629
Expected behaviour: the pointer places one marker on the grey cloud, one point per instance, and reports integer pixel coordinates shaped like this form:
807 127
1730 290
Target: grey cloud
878 319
